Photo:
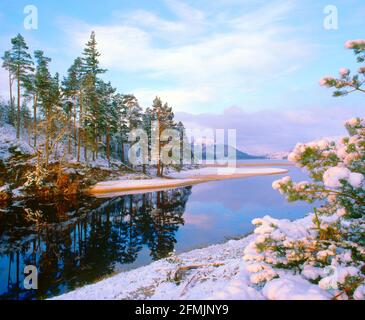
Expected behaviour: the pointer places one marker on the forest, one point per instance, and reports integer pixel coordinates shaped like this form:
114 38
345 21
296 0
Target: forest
77 119
81 108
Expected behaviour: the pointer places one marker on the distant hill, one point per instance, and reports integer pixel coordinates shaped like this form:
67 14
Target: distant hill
277 155
240 155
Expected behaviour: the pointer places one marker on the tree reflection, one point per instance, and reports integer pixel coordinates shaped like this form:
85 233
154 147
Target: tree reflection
79 241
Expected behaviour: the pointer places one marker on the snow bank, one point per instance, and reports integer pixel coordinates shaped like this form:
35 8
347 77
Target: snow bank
119 186
215 272
178 179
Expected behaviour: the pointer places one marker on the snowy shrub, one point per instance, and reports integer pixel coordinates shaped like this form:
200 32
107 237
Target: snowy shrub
348 83
327 247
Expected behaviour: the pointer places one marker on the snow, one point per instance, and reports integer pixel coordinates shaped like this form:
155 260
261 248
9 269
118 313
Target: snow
344 72
337 275
359 293
4 188
8 139
293 288
124 185
324 81
182 178
155 280
352 43
215 272
333 176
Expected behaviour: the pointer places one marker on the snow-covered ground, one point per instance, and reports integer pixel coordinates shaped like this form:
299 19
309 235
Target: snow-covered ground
215 272
8 140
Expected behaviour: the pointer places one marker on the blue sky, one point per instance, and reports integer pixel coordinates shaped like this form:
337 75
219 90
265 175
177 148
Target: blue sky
203 57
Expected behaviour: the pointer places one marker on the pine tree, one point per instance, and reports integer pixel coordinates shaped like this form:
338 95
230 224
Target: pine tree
163 115
72 88
122 123
21 63
32 94
91 70
49 97
108 113
25 119
185 148
91 58
133 111
147 117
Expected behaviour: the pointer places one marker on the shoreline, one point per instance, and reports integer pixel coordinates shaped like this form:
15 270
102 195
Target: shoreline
216 272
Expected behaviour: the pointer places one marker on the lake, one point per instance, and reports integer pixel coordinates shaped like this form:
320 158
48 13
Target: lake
73 242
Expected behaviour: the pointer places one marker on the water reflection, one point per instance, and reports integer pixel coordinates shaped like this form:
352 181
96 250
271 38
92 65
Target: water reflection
79 241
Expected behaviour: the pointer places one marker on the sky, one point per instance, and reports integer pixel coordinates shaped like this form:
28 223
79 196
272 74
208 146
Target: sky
251 65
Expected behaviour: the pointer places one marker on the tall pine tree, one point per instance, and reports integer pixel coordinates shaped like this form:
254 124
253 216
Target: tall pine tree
72 89
21 62
91 70
50 99
164 117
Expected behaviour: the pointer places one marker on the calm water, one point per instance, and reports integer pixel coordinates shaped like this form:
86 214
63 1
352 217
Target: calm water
78 241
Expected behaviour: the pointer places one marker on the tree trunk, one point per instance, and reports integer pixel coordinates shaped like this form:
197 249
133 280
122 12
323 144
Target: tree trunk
108 143
47 138
18 113
78 145
123 158
11 91
75 138
159 146
85 149
97 140
94 143
29 132
35 101
69 133
80 128
158 167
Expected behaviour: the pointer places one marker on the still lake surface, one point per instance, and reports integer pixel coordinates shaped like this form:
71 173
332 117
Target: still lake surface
79 241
